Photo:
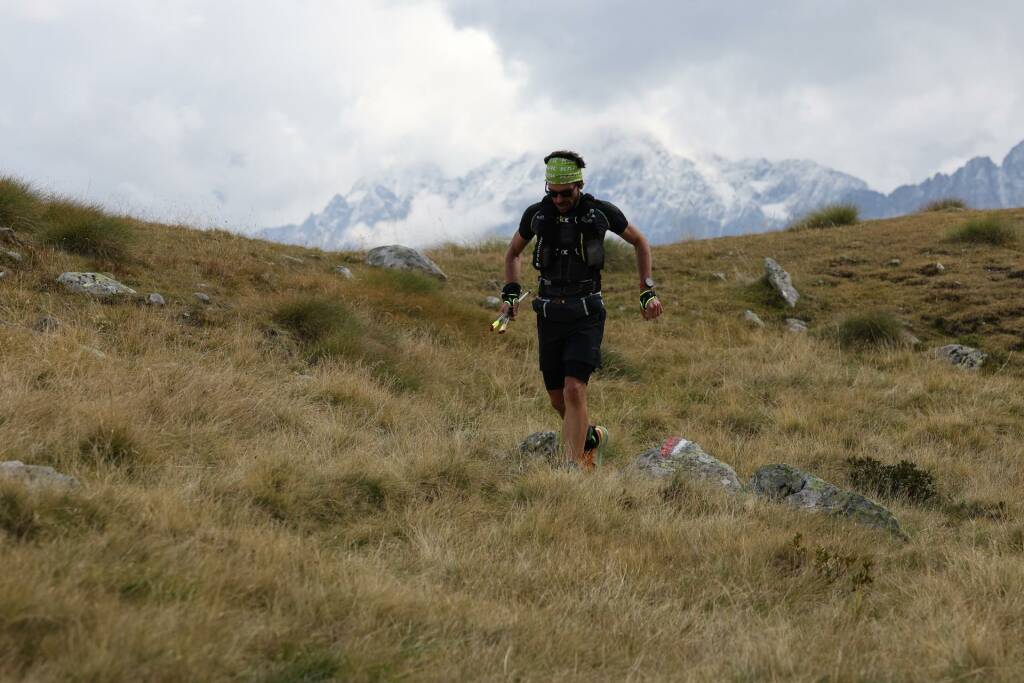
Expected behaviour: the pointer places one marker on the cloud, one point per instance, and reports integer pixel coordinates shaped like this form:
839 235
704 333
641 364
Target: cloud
249 115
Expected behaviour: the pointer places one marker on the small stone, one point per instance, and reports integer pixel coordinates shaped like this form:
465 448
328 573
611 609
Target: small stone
9 236
753 318
155 299
3 274
94 284
12 255
202 285
399 257
933 269
894 262
200 296
344 272
795 325
492 302
780 281
541 445
46 323
292 259
36 476
719 276
961 356
678 455
909 338
91 351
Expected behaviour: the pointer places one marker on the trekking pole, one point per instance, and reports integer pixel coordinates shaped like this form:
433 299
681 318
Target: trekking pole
501 324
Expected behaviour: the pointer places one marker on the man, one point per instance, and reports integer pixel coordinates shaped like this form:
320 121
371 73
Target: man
570 227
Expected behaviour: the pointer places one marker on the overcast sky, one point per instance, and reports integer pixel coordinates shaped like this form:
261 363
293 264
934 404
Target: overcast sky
249 114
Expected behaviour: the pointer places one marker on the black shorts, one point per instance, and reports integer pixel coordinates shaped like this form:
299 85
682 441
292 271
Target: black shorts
570 349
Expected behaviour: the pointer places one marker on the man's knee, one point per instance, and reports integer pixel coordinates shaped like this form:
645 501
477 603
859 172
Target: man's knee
557 399
575 391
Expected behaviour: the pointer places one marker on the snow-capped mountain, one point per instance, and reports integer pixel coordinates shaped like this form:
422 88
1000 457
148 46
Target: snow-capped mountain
668 196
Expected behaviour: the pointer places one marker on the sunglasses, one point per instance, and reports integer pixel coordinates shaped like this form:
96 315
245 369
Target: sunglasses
555 194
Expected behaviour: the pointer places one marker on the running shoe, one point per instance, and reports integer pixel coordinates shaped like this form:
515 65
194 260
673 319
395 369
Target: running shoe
593 449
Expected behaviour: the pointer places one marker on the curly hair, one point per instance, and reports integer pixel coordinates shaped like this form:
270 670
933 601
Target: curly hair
566 154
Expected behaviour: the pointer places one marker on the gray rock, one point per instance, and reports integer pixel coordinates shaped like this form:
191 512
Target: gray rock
344 272
201 297
893 262
8 236
753 318
719 276
36 476
292 259
676 454
492 302
12 255
909 338
961 356
792 486
403 258
796 325
3 274
46 323
933 269
540 445
780 281
155 299
95 285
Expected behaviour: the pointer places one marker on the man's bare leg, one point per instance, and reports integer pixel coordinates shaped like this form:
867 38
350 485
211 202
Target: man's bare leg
574 428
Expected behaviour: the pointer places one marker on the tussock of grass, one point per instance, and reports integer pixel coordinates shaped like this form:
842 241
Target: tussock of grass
870 329
85 229
831 216
316 319
904 479
994 231
21 207
944 205
111 445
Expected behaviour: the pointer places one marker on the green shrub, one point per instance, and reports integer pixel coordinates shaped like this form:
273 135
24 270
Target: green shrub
904 479
830 216
993 231
20 207
85 229
315 319
944 204
873 328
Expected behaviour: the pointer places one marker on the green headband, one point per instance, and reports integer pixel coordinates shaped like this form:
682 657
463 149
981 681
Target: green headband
561 171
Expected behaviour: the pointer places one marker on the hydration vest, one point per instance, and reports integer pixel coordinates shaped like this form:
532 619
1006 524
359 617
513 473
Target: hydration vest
570 249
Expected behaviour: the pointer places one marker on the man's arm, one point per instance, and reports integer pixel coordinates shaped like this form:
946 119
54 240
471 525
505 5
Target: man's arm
643 266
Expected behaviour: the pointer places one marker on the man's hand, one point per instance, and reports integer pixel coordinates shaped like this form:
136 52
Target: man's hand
650 304
511 295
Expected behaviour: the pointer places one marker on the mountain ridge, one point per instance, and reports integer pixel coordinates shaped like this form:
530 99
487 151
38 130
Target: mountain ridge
669 196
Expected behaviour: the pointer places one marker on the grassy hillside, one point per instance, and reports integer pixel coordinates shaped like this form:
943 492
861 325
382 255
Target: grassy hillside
314 478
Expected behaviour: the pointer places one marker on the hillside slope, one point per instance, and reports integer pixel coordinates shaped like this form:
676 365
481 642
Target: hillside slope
314 478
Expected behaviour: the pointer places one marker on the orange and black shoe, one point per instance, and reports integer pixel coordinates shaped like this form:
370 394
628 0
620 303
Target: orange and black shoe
593 448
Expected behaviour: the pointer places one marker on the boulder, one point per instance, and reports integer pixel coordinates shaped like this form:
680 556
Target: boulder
540 445
201 297
397 257
792 486
753 318
796 325
94 284
961 356
36 476
780 281
344 272
155 299
678 455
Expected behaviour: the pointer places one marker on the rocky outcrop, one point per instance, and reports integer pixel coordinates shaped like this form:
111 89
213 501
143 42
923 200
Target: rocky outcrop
540 445
961 356
95 285
780 281
678 455
36 476
792 486
397 257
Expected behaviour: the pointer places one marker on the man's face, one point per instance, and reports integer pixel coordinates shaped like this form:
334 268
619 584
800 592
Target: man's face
564 196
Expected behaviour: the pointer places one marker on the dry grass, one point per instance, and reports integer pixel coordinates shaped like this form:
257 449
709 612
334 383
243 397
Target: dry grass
251 510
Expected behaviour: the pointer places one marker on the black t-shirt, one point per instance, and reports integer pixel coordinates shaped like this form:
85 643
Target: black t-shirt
616 220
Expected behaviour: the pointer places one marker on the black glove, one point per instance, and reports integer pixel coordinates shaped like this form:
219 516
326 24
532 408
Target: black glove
510 293
647 297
